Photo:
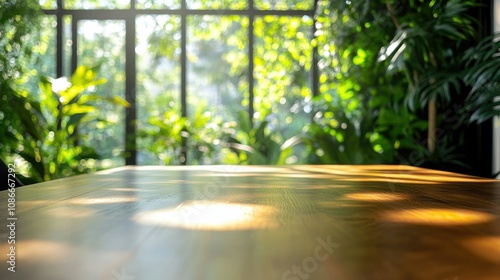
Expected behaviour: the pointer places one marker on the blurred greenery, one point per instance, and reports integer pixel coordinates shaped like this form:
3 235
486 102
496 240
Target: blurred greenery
103 43
482 74
53 147
259 144
19 34
379 65
166 136
406 54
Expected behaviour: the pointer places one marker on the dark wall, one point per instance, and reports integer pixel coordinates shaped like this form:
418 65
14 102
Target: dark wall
479 138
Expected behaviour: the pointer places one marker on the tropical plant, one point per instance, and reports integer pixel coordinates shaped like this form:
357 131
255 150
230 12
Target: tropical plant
259 144
482 76
163 138
53 148
430 35
19 26
380 135
356 91
335 138
173 139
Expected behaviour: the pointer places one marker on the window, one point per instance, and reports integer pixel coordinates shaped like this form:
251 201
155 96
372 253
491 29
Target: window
185 59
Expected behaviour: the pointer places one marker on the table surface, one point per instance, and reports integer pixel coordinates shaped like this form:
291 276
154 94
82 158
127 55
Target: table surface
256 222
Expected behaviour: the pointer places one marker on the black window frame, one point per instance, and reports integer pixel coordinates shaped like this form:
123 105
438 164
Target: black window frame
129 16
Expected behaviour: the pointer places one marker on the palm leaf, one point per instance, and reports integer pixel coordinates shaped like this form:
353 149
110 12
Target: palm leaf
483 77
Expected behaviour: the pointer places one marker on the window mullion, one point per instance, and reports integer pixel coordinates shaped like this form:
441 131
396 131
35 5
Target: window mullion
315 69
251 61
59 39
184 12
130 92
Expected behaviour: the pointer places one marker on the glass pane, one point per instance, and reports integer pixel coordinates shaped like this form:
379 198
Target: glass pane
67 45
217 74
158 4
217 4
104 42
284 4
283 58
43 59
96 4
158 89
48 4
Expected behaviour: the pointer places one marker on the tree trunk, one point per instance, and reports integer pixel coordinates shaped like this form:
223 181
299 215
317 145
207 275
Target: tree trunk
431 130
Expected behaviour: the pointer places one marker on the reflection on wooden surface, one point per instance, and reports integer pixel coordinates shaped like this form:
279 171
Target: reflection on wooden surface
210 215
257 222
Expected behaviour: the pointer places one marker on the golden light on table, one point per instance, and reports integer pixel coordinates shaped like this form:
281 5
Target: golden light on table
256 222
102 200
375 196
208 215
436 216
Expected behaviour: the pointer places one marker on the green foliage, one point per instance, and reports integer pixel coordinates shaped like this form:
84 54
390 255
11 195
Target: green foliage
373 57
218 77
282 64
52 147
103 43
482 76
378 136
475 71
427 46
335 138
19 24
166 135
259 144
359 116
430 48
446 154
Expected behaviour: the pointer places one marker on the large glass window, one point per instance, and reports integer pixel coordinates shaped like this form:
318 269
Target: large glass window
102 42
283 58
43 56
158 66
188 68
217 64
96 4
284 4
158 4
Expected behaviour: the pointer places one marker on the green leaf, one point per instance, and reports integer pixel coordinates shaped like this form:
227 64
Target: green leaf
116 100
73 109
75 119
244 122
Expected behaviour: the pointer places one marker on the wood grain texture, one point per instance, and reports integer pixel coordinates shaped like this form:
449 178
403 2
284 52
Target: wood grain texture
257 222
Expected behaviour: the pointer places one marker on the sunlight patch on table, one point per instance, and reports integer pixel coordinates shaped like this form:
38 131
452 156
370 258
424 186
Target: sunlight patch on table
39 250
436 216
34 203
102 200
205 215
128 190
375 196
390 174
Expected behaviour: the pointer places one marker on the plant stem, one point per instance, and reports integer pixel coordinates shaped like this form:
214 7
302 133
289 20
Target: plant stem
432 111
431 130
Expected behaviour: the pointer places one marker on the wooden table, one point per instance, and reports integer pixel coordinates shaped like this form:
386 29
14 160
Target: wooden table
256 222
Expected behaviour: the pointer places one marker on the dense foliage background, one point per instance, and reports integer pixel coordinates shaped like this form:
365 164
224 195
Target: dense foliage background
399 83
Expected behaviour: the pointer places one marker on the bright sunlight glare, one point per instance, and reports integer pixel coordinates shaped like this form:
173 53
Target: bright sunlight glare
205 215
